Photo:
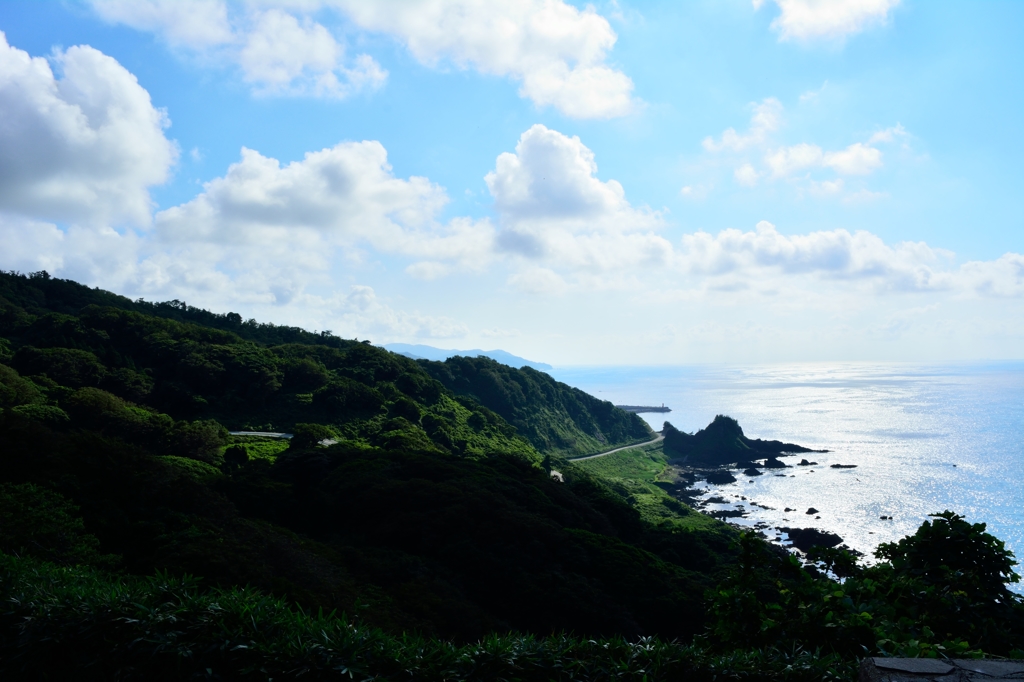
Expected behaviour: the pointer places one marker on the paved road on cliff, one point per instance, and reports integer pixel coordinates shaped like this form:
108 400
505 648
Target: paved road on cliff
657 437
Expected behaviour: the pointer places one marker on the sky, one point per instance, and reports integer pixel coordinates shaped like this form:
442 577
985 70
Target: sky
616 183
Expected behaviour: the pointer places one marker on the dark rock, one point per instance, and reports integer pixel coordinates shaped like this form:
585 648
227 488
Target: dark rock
727 513
805 463
806 538
812 510
775 463
720 477
723 442
788 509
751 472
843 466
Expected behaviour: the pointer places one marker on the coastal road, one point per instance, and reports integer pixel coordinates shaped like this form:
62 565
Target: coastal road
657 437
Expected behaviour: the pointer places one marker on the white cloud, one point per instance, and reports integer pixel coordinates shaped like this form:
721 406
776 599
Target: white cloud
764 256
536 280
81 148
888 135
827 187
345 195
191 23
786 161
361 313
828 19
696 192
746 175
283 55
550 179
553 208
857 159
1003 277
278 52
556 51
766 119
812 95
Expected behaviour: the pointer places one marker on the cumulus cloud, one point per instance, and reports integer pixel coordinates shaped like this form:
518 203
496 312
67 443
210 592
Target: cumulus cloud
828 19
84 147
190 23
345 195
554 50
279 52
283 55
746 175
766 119
841 256
552 207
786 161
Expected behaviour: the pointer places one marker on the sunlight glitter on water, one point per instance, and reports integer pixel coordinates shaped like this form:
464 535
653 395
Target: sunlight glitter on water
924 439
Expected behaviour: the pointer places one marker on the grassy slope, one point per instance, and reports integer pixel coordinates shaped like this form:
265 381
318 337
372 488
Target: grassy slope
635 475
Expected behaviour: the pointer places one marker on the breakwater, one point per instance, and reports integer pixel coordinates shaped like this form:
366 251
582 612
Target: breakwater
644 408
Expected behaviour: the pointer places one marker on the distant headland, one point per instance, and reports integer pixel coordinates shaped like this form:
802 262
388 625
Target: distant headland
422 352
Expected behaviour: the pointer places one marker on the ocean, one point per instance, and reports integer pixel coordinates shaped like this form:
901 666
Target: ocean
924 438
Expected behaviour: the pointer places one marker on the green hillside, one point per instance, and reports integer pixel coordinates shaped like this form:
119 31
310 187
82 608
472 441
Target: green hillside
430 512
554 417
408 530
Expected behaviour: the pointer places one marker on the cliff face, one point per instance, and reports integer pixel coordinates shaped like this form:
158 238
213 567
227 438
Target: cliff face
722 442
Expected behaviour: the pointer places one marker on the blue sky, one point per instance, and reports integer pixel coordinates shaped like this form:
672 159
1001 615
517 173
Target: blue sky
650 183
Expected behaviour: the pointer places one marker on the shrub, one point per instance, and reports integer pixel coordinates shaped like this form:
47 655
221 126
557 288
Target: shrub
38 522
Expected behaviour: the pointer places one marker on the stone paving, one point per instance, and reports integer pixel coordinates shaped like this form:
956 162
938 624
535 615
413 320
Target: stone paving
956 670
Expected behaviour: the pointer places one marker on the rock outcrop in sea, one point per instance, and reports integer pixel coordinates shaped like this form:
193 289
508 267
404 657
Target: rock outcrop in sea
722 443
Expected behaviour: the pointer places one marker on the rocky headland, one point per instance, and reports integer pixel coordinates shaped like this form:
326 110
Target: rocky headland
722 443
720 454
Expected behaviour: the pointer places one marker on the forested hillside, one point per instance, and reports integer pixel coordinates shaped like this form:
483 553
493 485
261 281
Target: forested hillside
554 417
409 530
429 513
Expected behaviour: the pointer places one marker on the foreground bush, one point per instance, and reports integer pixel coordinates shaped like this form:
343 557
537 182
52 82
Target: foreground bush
78 623
942 592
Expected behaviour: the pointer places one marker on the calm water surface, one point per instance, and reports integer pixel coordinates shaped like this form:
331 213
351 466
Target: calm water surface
924 438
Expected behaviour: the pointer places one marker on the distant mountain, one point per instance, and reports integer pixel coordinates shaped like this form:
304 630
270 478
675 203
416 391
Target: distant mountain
420 352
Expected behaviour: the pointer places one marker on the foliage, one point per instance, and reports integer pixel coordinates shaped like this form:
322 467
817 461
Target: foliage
940 592
38 522
64 623
311 435
554 417
431 513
